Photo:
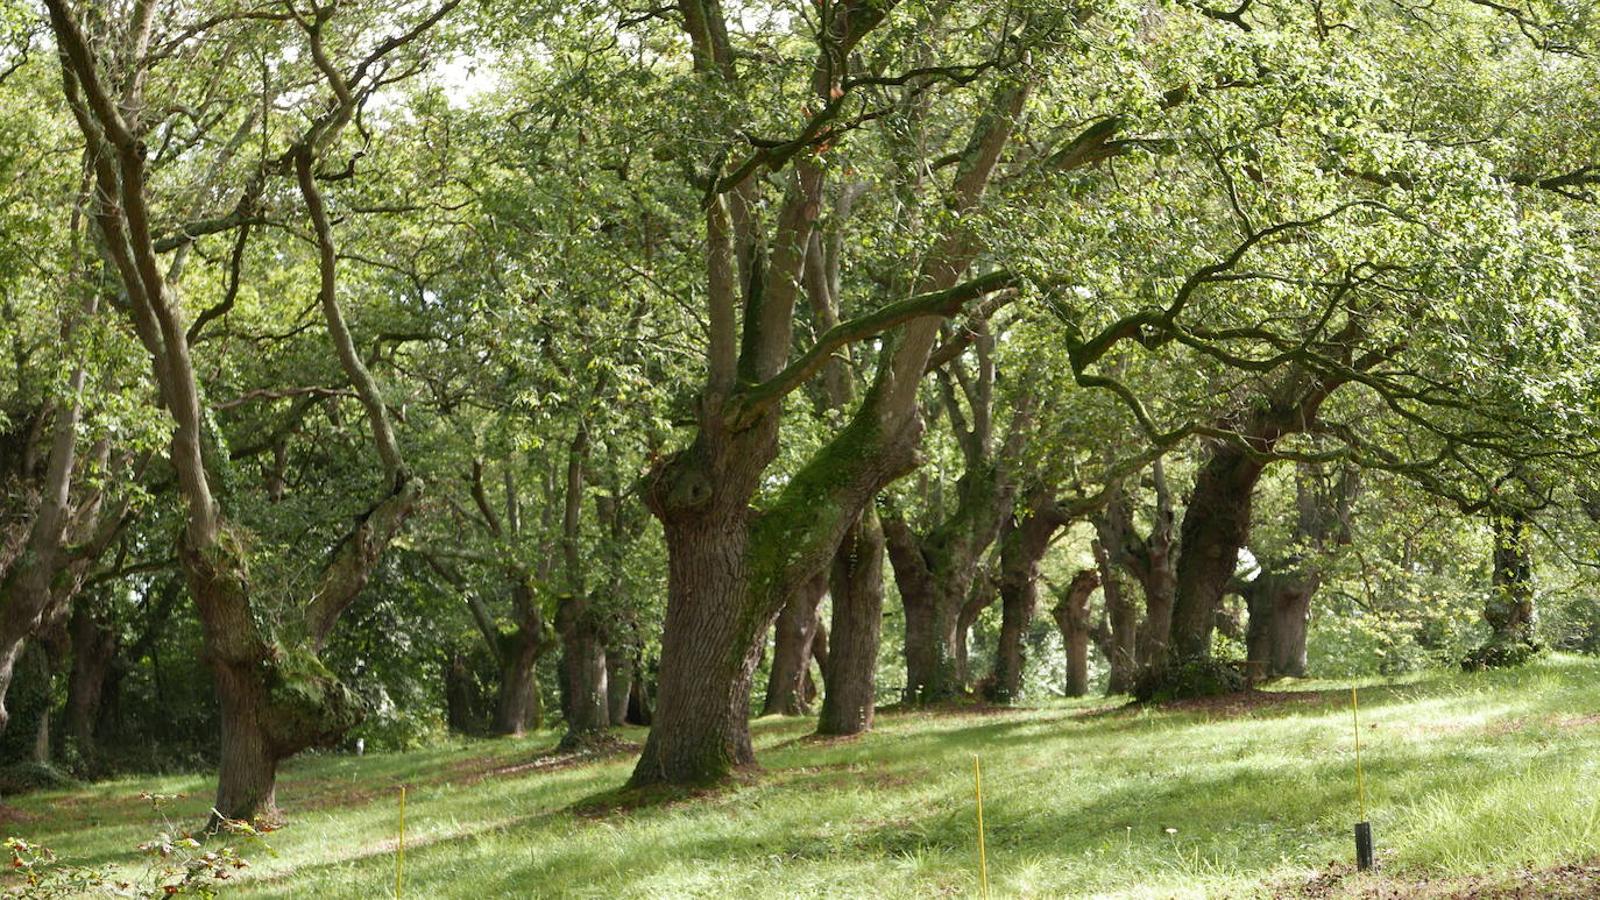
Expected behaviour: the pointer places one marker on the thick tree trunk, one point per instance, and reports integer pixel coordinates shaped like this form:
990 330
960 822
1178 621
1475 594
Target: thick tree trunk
248 769
1290 620
1071 613
1215 527
519 708
856 585
583 649
935 583
1280 609
793 632
708 655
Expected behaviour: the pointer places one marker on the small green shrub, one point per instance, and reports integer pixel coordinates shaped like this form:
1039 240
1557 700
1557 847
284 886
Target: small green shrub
26 777
1194 677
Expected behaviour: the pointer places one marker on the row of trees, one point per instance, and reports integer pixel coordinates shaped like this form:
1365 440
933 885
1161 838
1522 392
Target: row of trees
343 331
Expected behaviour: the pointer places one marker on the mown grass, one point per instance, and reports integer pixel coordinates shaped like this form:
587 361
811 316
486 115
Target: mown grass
1466 774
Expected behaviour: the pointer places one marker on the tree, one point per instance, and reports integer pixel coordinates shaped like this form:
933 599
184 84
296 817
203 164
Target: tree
276 697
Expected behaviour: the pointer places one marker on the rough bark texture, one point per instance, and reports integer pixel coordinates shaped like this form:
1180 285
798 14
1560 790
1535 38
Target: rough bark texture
856 585
793 631
1280 609
1071 613
730 568
518 706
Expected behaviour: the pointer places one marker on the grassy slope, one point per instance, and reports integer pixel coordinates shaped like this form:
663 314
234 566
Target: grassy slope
1465 774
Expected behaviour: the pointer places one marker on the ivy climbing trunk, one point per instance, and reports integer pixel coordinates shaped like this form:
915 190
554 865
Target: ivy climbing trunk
1508 611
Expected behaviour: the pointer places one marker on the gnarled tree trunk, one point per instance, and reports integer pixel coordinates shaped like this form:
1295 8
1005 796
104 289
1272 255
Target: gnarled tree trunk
1071 613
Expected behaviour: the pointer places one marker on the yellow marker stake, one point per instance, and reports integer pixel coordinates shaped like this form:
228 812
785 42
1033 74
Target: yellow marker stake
400 847
1361 784
983 860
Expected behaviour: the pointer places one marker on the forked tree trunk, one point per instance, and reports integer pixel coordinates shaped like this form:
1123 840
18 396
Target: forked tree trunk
983 594
935 578
730 571
1071 613
793 632
856 585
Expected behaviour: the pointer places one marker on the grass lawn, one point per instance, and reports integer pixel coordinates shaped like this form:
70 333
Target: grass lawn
1473 782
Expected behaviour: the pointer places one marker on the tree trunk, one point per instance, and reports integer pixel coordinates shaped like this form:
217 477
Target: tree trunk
1280 608
1215 527
639 712
935 583
458 694
856 585
983 594
94 651
1022 546
793 632
1072 619
583 652
819 653
1509 608
1122 623
619 684
519 708
247 772
1290 618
